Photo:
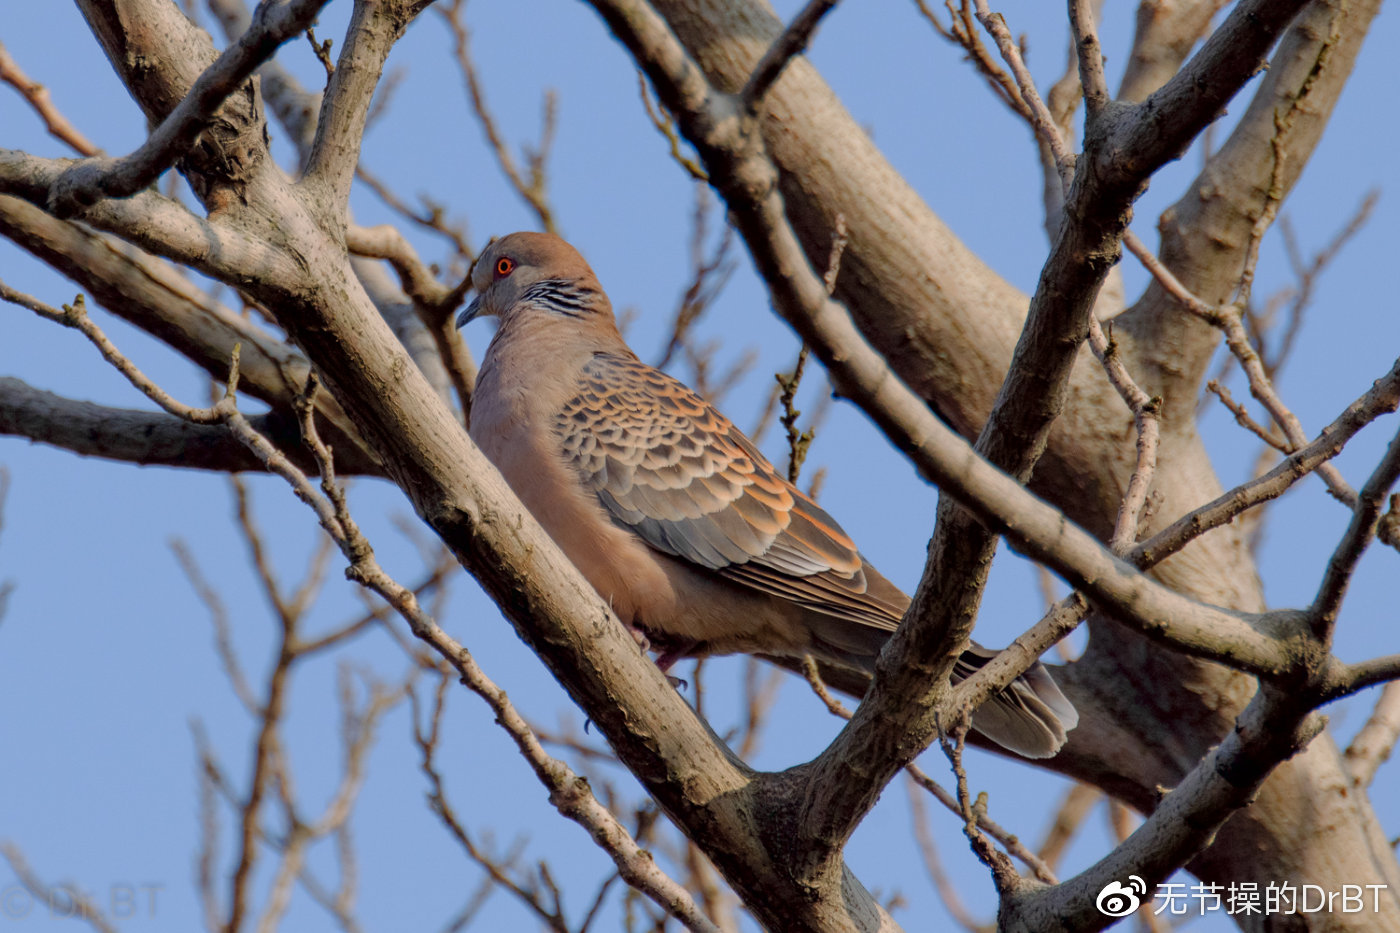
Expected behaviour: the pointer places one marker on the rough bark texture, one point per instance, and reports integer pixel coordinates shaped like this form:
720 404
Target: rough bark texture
948 330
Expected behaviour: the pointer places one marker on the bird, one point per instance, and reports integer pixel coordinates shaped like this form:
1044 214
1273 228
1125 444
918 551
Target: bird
673 516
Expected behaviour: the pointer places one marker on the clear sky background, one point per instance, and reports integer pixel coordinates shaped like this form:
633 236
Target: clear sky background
106 654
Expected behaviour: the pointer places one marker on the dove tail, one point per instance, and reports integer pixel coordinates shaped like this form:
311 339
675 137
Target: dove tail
1031 717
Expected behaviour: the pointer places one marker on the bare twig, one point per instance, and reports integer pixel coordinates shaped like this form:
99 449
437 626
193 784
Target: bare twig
799 442
498 869
790 43
38 97
6 586
432 217
1004 874
531 190
1069 817
1381 398
218 614
708 276
916 774
666 126
322 51
1229 318
63 900
1244 419
76 317
759 695
1374 743
928 850
962 31
814 679
1360 532
1035 110
1145 411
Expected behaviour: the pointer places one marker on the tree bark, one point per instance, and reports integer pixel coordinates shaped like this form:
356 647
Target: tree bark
947 324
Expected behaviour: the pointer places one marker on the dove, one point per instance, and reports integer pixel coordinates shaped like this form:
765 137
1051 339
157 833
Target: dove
678 521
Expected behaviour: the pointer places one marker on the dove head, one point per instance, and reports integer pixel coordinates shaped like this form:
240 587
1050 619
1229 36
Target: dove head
534 274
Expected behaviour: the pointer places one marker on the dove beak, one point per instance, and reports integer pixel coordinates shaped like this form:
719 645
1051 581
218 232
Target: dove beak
469 315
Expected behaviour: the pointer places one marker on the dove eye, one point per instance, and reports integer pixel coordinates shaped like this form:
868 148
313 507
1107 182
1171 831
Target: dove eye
504 267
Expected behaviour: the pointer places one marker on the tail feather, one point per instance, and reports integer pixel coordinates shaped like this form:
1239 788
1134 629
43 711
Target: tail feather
1031 717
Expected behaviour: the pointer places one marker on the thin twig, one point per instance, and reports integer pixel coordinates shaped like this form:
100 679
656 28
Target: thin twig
1145 411
1374 743
1036 111
534 190
790 43
1361 530
1004 874
218 614
1069 818
708 276
432 218
6 586
1383 397
1008 839
38 98
962 31
928 850
63 900
666 126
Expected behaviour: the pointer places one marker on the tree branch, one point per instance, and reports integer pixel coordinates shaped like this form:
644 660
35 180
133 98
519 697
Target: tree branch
145 437
153 296
86 182
1273 728
1374 743
330 168
155 223
1360 532
1382 398
38 97
792 42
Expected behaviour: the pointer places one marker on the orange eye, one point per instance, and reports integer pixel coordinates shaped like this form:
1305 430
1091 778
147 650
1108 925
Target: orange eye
504 266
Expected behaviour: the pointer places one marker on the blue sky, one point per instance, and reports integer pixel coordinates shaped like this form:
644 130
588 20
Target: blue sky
106 655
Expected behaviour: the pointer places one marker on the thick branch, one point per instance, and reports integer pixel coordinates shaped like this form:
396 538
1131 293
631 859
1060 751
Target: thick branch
1272 729
374 27
151 295
147 438
1166 123
156 224
86 182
